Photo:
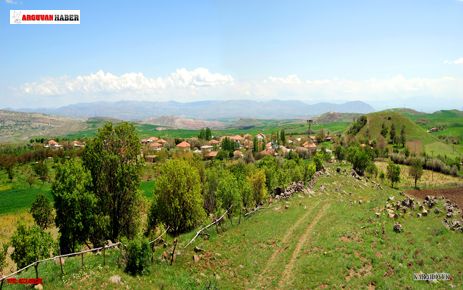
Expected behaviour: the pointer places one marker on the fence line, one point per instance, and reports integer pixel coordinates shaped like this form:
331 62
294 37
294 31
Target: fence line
206 227
72 254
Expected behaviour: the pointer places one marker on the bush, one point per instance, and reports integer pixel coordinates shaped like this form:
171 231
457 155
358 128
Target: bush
138 256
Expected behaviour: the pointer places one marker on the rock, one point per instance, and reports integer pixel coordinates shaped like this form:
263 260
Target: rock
390 198
198 249
418 215
398 228
436 211
38 286
377 214
196 258
115 279
286 206
449 214
424 212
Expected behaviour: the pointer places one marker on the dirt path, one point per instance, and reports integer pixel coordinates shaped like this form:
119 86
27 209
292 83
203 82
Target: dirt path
284 241
287 273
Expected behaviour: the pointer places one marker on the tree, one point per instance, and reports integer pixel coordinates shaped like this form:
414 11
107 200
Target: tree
30 179
283 136
113 160
384 130
202 134
208 134
41 169
42 211
339 152
8 162
392 134
255 145
318 162
30 244
75 205
228 191
416 170
359 159
178 202
403 139
257 181
393 173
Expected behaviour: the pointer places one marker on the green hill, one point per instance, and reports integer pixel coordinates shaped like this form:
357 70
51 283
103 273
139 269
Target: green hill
418 139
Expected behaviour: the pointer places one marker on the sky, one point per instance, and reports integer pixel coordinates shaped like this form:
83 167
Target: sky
390 53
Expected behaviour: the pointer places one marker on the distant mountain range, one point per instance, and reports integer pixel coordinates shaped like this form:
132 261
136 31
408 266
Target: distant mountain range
210 110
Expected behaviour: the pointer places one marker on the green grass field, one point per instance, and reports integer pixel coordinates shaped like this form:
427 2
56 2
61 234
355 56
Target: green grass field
331 240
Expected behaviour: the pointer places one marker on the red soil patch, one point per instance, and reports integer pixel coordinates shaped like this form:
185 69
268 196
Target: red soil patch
453 194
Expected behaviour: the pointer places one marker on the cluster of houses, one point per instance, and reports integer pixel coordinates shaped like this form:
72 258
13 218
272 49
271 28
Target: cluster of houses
210 149
52 144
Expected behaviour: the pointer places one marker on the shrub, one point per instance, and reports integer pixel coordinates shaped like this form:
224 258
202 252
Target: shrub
30 244
138 256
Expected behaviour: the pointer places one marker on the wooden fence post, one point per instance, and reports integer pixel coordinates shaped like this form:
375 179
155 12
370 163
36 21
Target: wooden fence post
36 266
82 257
104 255
61 264
173 252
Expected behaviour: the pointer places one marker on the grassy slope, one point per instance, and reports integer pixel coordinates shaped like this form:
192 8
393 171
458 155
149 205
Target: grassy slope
412 130
345 248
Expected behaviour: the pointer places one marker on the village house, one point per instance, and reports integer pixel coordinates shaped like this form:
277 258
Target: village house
77 144
155 146
184 146
260 137
210 155
310 146
52 144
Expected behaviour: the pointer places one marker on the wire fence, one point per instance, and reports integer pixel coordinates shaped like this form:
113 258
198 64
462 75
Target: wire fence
103 248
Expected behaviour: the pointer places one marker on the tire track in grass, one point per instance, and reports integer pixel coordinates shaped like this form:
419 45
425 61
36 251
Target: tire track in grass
287 273
288 235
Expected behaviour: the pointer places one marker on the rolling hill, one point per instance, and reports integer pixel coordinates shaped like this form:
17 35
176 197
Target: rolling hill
18 126
418 139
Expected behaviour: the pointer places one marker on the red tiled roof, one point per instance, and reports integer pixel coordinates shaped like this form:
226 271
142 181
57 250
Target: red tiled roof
184 144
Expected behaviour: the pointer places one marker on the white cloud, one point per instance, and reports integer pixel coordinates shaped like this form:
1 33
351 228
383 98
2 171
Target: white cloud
456 61
105 82
11 2
201 84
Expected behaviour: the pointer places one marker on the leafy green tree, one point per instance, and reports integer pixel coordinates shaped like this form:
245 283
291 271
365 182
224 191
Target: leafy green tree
30 179
115 166
310 170
283 136
208 134
8 163
392 134
41 169
403 138
75 205
416 170
255 145
211 202
339 152
359 159
318 162
42 211
202 134
384 130
393 173
30 244
228 191
257 181
178 202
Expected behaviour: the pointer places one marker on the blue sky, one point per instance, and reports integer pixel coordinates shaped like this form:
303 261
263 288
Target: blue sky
387 53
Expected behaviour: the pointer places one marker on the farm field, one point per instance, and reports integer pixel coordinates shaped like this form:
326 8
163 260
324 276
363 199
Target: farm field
329 239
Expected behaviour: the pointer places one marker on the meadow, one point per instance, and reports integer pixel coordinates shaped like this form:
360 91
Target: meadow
329 239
